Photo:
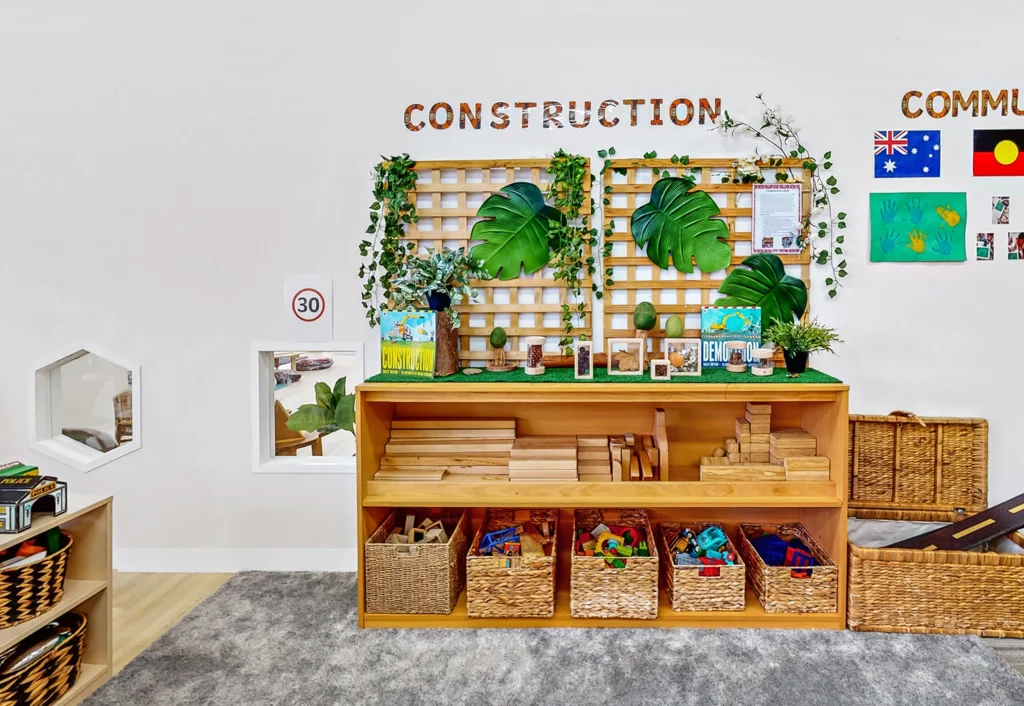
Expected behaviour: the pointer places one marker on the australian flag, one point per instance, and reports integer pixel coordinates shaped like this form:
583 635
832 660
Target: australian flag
907 153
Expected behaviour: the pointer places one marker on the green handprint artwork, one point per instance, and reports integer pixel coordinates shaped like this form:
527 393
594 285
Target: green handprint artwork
918 227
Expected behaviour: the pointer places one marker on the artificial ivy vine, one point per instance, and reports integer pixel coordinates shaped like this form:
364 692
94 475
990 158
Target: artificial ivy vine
384 257
781 132
568 236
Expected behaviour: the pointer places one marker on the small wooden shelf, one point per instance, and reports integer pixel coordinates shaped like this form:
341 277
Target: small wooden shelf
76 592
753 616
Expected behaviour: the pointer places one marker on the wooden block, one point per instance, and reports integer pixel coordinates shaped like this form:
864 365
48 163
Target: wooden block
760 438
731 445
646 469
543 473
634 467
744 457
760 457
807 475
661 440
447 447
410 522
541 464
595 478
442 461
742 428
617 440
476 479
758 408
760 428
531 544
807 463
477 470
453 424
743 473
594 468
616 471
453 433
793 437
630 439
523 442
598 441
391 473
602 455
533 454
713 461
734 457
542 480
719 453
758 448
626 459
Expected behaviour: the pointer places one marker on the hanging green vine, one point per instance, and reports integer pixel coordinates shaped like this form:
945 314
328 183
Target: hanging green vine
569 236
609 230
781 132
384 257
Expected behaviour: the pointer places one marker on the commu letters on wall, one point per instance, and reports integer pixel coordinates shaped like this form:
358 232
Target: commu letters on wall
941 104
680 111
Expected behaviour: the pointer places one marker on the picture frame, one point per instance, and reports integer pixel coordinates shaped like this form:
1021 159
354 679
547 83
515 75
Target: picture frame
661 369
686 349
633 347
583 360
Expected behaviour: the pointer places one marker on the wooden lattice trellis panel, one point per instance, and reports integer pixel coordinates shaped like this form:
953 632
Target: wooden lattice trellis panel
674 292
447 196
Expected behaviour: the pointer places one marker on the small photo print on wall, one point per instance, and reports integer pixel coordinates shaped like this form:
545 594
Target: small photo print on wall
1000 210
986 246
1015 246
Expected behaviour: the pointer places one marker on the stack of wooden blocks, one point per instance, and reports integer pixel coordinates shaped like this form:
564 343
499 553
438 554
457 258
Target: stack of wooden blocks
752 432
541 459
426 532
796 450
594 459
431 449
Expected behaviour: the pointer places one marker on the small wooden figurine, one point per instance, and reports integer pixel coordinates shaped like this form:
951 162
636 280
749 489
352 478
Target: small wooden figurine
498 339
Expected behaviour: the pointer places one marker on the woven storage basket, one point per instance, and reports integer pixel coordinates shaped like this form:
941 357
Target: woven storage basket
29 591
776 587
50 678
688 590
601 591
928 469
425 579
526 590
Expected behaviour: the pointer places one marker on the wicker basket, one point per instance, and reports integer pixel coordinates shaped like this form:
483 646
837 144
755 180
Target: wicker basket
527 590
777 588
30 591
689 590
420 579
930 469
50 678
601 591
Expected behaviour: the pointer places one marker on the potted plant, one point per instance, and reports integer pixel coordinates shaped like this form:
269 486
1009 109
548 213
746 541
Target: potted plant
333 410
441 279
798 340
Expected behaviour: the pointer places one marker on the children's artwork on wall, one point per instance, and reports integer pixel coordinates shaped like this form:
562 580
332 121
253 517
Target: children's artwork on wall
1015 246
408 342
906 154
986 246
722 324
997 153
1000 210
919 227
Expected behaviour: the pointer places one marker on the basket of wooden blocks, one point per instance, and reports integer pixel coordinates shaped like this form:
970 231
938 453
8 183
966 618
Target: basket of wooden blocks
510 568
696 585
614 565
788 571
415 561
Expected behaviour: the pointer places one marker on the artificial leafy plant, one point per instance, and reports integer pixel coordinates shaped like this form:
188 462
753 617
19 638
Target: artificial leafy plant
514 231
333 410
765 284
802 336
448 271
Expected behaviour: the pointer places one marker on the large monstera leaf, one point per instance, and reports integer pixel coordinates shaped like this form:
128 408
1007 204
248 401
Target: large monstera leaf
515 233
680 222
766 284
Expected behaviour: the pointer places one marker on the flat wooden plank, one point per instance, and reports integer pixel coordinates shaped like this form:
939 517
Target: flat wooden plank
445 460
758 409
751 473
714 461
598 441
453 424
476 470
807 463
595 478
453 434
417 474
602 455
646 469
541 463
420 447
806 475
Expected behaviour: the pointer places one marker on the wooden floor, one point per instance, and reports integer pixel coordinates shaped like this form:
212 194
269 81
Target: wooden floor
147 605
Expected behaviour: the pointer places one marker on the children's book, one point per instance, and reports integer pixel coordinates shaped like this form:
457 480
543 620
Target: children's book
408 343
721 324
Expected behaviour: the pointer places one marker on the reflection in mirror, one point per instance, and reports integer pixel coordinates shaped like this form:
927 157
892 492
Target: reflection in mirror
314 403
91 402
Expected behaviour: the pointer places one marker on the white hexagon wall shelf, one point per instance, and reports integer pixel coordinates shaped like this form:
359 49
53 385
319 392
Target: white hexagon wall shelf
86 406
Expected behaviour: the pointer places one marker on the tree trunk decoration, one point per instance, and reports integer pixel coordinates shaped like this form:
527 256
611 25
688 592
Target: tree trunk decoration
446 362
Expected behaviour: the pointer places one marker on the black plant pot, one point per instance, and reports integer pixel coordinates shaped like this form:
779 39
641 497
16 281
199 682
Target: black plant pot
796 363
438 300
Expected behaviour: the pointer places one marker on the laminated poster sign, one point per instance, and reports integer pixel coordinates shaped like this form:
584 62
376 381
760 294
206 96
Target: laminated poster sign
408 343
721 324
776 218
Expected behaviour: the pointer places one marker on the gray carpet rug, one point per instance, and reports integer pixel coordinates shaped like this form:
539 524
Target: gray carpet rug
273 638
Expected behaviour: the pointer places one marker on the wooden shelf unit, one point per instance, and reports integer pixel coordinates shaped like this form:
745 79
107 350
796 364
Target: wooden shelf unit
87 587
699 417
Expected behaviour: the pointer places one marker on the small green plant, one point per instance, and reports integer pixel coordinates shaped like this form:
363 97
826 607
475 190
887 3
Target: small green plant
447 272
802 337
333 410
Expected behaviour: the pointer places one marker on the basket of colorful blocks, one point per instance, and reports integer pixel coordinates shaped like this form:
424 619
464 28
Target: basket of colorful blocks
703 570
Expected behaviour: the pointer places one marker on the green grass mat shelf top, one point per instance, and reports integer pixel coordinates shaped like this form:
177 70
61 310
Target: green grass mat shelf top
710 375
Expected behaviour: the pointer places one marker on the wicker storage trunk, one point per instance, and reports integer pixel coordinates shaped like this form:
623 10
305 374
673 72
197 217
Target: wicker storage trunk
599 590
930 469
416 579
688 590
526 590
776 586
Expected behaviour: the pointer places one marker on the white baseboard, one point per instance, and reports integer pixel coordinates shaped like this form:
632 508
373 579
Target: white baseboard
207 561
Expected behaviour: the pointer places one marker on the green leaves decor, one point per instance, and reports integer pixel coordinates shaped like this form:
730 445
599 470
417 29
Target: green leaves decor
782 298
515 232
333 410
680 222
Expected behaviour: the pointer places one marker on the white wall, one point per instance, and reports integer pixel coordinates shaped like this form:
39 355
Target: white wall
86 394
154 158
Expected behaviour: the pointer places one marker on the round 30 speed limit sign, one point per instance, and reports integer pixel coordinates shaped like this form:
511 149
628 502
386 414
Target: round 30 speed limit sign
307 300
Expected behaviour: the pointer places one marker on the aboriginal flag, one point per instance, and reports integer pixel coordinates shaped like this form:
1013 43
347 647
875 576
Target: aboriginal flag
999 153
